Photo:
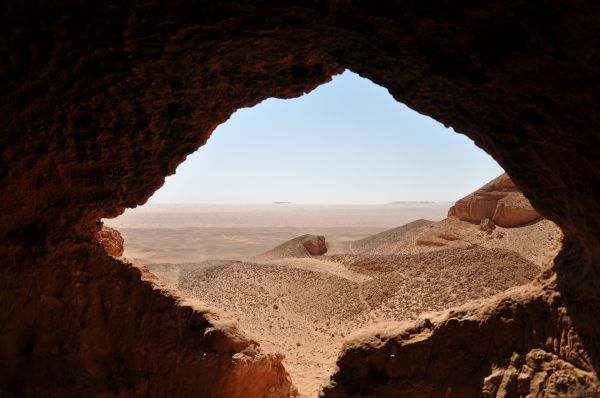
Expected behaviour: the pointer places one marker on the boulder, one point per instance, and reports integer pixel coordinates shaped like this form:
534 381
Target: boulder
500 201
315 244
111 240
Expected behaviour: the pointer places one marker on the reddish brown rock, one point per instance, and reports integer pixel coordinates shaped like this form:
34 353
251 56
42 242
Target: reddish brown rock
111 240
482 349
514 210
499 201
315 244
169 330
451 212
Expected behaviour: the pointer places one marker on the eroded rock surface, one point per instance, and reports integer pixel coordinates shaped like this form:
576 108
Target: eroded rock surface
315 244
520 343
499 201
111 240
80 338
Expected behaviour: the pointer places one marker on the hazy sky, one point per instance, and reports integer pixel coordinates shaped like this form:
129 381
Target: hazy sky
346 142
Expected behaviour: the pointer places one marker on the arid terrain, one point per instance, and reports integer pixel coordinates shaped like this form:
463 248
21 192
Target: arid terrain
383 263
194 233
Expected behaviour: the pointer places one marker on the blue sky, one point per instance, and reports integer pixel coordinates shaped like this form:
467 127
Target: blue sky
346 142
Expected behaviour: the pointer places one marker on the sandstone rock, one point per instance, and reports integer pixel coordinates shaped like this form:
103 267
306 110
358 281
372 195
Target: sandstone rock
513 210
111 240
499 201
487 225
315 244
486 357
451 212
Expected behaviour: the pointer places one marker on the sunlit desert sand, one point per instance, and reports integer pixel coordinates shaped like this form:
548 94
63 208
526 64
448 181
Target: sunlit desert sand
384 263
192 233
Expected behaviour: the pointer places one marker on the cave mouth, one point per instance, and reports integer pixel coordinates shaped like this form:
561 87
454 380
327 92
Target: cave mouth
103 101
244 256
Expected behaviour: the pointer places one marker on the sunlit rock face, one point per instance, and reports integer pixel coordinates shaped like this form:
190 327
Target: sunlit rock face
315 244
102 100
499 201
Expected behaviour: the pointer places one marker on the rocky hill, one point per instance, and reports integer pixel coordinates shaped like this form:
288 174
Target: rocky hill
301 246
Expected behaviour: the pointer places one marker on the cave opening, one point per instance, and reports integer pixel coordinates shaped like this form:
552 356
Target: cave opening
231 227
102 101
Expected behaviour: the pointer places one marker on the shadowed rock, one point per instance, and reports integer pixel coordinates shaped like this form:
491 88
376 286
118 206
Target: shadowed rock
111 240
457 353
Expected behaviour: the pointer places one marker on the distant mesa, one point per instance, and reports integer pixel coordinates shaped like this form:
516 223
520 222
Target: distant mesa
500 201
301 246
282 203
111 240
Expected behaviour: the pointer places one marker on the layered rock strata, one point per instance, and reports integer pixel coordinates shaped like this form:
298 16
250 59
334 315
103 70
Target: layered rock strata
499 201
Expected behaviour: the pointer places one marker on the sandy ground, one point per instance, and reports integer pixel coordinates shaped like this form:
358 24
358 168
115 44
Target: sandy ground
304 307
193 233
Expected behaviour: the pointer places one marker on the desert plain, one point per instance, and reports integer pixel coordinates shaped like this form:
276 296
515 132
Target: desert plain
381 263
180 233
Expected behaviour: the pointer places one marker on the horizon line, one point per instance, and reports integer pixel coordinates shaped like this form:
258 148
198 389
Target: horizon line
283 203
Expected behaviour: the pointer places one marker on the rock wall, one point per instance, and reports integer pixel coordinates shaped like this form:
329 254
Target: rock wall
77 322
101 100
